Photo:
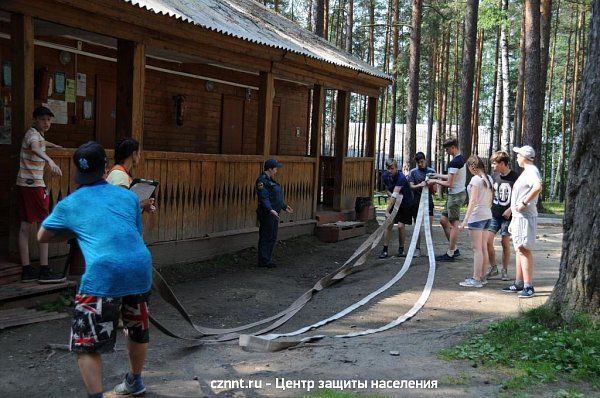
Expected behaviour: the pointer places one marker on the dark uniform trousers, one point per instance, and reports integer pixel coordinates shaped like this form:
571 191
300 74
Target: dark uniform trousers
270 197
267 236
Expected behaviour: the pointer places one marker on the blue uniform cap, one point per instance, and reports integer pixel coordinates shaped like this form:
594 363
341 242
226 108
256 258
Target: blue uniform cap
272 163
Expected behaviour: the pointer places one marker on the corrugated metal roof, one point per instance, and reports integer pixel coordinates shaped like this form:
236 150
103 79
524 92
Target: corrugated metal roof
251 21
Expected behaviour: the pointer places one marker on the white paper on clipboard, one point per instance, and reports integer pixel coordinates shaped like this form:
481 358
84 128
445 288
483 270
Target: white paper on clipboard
143 190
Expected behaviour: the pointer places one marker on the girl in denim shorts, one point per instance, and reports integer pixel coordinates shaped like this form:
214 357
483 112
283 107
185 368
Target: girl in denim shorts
477 219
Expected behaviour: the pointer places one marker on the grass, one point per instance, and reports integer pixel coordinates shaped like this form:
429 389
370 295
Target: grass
63 301
536 348
554 208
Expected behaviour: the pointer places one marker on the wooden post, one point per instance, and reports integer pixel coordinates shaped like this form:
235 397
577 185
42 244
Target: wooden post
266 93
341 147
316 131
131 65
22 74
371 129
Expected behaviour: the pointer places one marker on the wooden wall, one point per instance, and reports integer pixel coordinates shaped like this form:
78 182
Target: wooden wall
201 131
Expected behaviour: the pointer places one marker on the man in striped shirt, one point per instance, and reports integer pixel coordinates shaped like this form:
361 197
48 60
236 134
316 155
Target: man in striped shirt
32 194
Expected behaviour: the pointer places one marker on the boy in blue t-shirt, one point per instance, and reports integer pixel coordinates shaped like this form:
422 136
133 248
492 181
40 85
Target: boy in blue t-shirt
396 184
106 221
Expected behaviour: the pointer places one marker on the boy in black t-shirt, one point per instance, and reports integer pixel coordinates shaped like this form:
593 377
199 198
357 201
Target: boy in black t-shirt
504 179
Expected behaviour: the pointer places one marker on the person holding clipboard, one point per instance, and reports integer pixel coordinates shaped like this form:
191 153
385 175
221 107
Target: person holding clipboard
127 155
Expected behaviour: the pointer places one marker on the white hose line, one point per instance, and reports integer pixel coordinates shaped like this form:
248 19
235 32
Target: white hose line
267 343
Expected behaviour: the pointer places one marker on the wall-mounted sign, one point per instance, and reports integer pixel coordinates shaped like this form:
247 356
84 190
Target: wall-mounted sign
6 74
70 91
59 82
81 84
88 109
59 108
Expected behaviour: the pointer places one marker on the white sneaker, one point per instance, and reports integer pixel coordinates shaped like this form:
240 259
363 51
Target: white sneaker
484 281
417 253
471 282
504 274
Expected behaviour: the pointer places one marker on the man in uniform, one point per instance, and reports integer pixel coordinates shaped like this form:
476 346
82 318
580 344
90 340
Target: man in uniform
270 204
396 184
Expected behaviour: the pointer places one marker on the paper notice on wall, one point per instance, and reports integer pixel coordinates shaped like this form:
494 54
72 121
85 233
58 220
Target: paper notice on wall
70 91
81 84
59 108
5 128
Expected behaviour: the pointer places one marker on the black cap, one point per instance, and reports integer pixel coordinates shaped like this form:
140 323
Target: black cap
90 161
42 111
272 163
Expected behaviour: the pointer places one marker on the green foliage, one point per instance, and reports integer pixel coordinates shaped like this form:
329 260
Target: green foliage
60 303
490 15
554 207
539 347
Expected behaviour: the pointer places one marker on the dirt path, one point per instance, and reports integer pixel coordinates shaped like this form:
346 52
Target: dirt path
231 291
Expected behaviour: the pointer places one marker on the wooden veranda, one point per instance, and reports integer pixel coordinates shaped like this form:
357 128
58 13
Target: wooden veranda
246 97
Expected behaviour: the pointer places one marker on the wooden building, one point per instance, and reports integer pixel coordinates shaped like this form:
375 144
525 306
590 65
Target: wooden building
209 88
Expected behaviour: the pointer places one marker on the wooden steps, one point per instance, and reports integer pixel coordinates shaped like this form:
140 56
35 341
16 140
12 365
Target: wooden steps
22 316
9 272
334 232
18 294
330 216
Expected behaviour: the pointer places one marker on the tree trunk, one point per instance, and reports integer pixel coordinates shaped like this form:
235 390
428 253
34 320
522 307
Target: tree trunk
371 57
578 286
433 72
518 126
466 87
546 129
575 81
505 85
318 13
560 176
396 43
453 109
495 119
533 107
475 115
410 141
349 25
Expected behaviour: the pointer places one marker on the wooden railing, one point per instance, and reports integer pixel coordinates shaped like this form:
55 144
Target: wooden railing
201 194
358 180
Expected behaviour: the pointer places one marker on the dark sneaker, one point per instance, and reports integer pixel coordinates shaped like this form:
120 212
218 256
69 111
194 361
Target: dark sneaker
29 274
456 253
384 254
136 388
47 275
492 271
527 292
512 289
401 253
445 258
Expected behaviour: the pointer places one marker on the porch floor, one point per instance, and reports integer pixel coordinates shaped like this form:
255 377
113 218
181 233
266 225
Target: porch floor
326 214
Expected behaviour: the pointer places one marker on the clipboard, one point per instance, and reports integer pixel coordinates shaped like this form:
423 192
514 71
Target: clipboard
144 189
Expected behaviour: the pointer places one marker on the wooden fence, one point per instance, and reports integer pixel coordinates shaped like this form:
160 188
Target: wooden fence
201 194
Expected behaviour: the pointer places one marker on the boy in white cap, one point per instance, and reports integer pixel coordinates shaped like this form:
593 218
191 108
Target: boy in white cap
524 197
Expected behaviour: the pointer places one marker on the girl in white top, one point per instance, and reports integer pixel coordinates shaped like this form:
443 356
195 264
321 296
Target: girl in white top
477 218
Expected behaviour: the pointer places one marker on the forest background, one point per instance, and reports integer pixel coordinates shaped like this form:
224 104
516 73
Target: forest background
458 66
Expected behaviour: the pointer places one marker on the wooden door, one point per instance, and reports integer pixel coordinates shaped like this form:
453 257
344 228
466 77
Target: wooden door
275 130
106 111
232 123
